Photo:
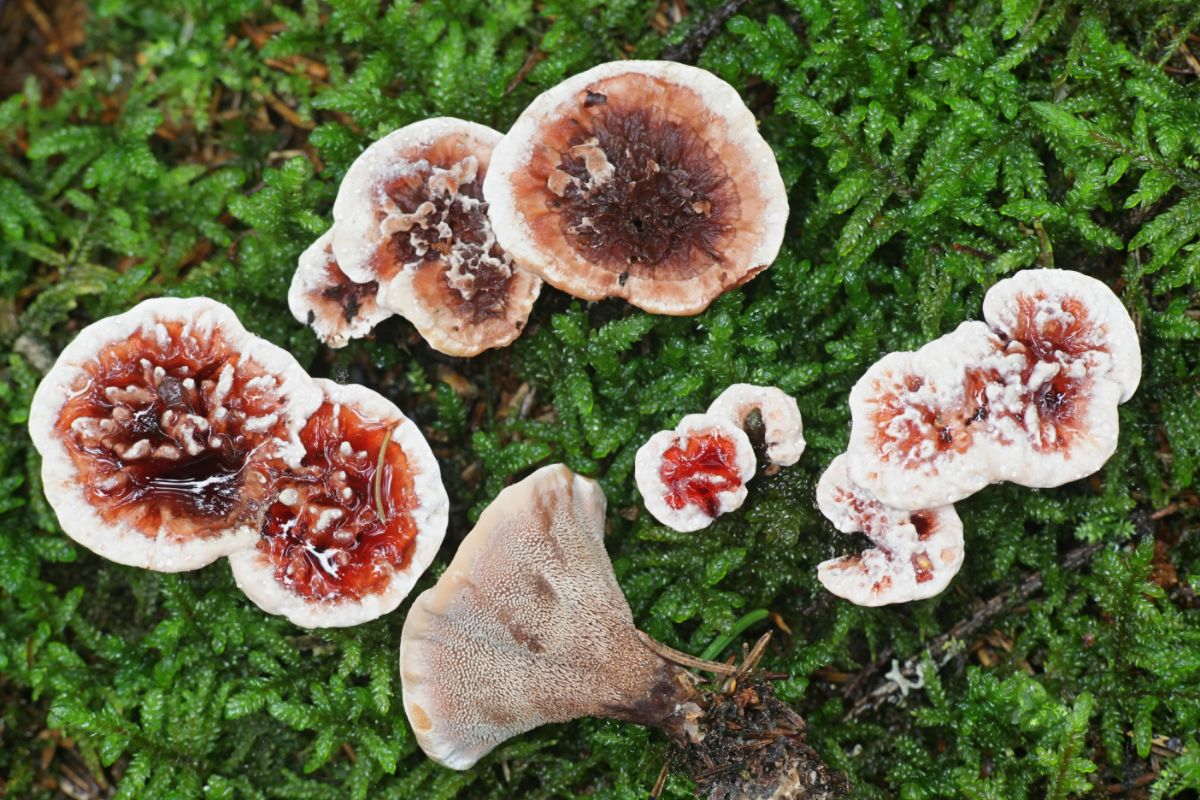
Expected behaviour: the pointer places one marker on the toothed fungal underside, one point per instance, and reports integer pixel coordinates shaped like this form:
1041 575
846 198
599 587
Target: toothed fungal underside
433 222
528 626
339 528
169 430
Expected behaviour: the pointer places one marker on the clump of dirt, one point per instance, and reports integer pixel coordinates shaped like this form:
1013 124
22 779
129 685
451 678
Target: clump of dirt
753 749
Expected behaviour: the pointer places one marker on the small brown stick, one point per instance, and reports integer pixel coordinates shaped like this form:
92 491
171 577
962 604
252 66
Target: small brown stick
659 784
941 650
683 659
698 37
387 439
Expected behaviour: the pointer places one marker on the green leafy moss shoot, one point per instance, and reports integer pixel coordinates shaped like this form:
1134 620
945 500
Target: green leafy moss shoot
929 148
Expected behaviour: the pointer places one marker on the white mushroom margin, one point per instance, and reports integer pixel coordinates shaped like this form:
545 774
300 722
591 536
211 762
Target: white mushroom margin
254 572
64 491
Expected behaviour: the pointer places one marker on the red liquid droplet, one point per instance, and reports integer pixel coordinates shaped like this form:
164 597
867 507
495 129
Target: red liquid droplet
699 471
356 554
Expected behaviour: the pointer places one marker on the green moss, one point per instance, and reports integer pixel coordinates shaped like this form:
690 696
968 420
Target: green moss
929 149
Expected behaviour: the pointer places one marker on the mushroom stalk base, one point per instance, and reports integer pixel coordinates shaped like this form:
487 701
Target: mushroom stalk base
753 748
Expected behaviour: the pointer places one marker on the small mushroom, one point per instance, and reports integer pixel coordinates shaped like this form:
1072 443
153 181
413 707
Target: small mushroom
322 297
528 626
916 553
351 528
690 476
410 215
782 423
1030 396
645 180
156 428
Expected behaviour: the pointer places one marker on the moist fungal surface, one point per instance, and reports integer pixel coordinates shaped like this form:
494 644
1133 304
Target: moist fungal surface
434 220
1032 383
698 469
340 295
168 431
640 192
341 526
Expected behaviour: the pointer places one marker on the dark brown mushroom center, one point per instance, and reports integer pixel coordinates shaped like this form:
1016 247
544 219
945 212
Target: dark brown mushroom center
641 192
167 430
340 527
342 295
435 217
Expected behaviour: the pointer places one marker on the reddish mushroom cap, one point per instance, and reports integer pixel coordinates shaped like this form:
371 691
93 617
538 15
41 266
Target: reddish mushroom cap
322 297
528 626
783 426
690 476
1031 399
156 427
916 553
351 528
645 180
410 215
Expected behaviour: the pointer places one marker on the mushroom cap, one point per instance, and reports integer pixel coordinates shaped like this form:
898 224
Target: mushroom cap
410 215
645 180
783 426
916 553
1059 311
127 419
322 297
528 626
915 441
325 558
690 476
1031 399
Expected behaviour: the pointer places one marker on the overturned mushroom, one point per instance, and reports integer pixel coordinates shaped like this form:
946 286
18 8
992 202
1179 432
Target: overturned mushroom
916 553
783 427
690 476
322 297
645 180
528 626
156 428
410 216
355 524
1030 397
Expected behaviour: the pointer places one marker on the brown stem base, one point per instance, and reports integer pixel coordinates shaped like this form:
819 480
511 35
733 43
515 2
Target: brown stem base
753 749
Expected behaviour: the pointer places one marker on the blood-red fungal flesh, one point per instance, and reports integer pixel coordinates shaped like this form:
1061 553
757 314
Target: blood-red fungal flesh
698 470
168 431
324 533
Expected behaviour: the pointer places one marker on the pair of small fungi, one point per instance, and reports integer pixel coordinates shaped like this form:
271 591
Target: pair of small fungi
528 626
1028 396
643 180
690 476
170 436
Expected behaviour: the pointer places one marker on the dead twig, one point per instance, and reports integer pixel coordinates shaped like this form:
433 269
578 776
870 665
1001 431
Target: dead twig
941 649
698 37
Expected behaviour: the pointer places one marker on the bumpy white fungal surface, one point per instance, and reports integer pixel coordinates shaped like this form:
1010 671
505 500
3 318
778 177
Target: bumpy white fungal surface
782 423
159 417
916 553
645 180
1030 396
528 626
410 215
324 507
322 297
691 475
